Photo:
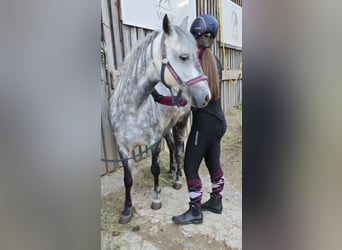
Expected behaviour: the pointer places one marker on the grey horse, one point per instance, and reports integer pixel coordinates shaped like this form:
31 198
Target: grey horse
168 56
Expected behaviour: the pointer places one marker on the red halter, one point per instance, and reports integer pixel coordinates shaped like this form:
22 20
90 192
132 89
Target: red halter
183 85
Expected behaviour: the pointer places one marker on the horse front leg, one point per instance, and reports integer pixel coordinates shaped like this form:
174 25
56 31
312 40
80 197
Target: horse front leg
155 170
127 212
172 148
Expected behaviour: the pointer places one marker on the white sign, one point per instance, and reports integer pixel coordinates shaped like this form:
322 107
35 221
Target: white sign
232 23
149 14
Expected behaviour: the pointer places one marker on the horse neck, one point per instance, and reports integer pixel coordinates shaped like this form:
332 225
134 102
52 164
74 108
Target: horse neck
140 75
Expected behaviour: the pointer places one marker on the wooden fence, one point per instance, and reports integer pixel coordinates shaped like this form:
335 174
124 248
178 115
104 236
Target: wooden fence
118 39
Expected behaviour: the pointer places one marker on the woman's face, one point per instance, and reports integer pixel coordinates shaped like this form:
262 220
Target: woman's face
205 41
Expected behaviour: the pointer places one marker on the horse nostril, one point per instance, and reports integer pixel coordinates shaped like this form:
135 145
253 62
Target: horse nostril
206 98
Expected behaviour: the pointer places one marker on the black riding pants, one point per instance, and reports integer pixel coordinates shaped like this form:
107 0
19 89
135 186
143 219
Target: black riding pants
204 141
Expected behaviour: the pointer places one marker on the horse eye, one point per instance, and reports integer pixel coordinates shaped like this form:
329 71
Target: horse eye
184 57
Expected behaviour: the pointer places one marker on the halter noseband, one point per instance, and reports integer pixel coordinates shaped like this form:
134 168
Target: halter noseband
183 85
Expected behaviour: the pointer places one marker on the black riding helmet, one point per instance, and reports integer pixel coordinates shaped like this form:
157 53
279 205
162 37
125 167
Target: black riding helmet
204 24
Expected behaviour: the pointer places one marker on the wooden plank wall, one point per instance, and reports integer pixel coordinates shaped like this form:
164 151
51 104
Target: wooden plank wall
118 39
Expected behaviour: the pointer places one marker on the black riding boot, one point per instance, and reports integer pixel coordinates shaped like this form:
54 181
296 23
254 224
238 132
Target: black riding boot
192 216
214 204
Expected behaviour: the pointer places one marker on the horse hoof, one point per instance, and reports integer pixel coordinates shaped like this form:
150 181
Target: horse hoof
124 219
177 185
156 205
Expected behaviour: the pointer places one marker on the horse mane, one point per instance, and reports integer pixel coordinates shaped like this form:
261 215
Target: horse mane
135 64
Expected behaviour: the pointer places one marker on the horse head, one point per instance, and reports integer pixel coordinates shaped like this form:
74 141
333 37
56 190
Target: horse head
178 61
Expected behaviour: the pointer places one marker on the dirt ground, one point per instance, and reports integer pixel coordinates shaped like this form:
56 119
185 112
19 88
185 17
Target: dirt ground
153 229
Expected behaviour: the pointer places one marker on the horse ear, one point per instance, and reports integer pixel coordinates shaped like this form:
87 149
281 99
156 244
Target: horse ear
166 25
184 23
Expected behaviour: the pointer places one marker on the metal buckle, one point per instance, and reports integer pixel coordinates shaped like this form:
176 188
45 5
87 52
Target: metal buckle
165 61
184 86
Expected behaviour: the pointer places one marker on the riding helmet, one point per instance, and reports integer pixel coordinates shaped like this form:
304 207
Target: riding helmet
204 24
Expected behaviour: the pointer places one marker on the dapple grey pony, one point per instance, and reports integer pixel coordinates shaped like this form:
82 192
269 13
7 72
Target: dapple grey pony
168 56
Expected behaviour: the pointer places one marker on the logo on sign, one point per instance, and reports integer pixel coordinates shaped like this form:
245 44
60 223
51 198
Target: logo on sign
164 7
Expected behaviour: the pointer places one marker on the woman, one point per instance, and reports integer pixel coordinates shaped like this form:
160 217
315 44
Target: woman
208 127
